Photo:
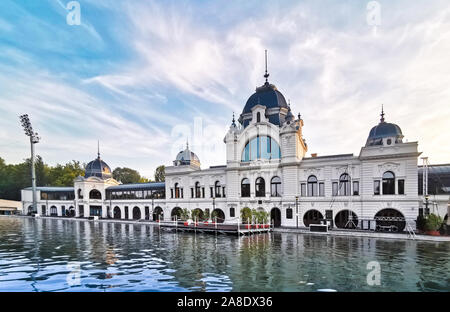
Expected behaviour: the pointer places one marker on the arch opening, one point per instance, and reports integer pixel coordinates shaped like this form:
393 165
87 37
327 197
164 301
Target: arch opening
346 219
275 217
389 219
312 217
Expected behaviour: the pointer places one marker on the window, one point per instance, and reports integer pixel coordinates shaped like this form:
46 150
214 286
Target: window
80 195
312 186
401 187
232 213
388 183
260 187
223 191
289 213
245 188
197 190
303 189
192 192
181 189
261 147
171 193
355 187
258 117
217 189
275 187
94 194
344 185
203 192
321 189
335 188
177 190
376 187
211 191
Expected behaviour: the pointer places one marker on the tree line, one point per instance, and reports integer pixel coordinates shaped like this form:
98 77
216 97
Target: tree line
15 177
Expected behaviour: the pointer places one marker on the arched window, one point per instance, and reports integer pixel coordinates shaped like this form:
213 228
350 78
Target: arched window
344 185
261 147
198 192
258 117
260 187
388 183
217 189
312 186
177 190
80 196
95 194
275 187
245 188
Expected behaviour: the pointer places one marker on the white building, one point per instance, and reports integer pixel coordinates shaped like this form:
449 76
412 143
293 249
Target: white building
266 169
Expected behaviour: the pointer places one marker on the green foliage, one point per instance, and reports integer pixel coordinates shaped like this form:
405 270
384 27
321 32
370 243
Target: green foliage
14 178
126 175
197 214
246 214
185 214
160 174
207 214
433 222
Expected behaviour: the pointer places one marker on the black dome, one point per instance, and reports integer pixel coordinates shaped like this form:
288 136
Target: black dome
384 130
266 95
98 168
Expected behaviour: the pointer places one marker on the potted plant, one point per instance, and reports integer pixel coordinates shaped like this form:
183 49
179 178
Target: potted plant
246 216
432 224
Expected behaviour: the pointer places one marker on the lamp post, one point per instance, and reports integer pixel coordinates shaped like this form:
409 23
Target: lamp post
34 139
296 209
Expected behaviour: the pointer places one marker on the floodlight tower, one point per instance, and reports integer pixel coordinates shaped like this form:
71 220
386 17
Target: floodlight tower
26 124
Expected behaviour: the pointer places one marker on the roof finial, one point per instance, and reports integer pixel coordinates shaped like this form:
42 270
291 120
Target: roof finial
382 113
187 143
233 121
266 75
98 149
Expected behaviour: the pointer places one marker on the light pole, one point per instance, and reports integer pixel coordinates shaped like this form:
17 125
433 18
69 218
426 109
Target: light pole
26 124
296 209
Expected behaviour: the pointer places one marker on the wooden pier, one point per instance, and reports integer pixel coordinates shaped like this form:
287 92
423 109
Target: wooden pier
216 228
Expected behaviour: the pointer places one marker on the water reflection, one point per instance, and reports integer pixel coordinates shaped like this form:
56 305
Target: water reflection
34 254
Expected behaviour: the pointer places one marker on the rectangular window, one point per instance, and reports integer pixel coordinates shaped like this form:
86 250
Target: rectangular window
401 187
43 210
355 187
171 193
303 190
232 213
182 195
321 189
203 192
376 187
126 212
289 213
147 213
335 188
192 192
211 190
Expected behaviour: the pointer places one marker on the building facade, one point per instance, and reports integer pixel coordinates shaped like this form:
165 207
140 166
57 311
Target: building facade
266 169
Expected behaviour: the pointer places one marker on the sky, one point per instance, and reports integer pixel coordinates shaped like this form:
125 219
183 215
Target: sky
144 77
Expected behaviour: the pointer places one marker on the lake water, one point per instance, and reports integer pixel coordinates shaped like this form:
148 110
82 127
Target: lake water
66 255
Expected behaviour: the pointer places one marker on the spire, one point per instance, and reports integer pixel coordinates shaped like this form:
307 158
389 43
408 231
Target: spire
382 113
233 121
299 116
266 75
98 149
187 143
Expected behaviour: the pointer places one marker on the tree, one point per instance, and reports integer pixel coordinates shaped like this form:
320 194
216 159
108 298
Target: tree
126 175
160 174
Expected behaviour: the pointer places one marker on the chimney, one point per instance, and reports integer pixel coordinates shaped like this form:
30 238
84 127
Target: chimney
313 154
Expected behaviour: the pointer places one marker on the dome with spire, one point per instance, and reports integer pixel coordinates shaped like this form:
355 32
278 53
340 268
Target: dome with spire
98 168
186 157
268 96
384 130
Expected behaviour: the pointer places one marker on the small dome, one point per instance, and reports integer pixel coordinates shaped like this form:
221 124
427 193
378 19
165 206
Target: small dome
186 157
384 130
98 168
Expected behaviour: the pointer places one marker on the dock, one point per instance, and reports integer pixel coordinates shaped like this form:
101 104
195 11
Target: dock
216 228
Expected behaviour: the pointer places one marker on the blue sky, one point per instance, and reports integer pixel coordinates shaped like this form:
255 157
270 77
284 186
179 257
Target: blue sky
144 76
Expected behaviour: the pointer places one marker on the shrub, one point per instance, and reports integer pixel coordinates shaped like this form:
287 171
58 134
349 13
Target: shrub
433 222
246 214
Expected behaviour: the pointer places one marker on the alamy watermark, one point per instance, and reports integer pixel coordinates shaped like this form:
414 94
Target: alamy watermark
374 275
373 16
73 17
74 277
